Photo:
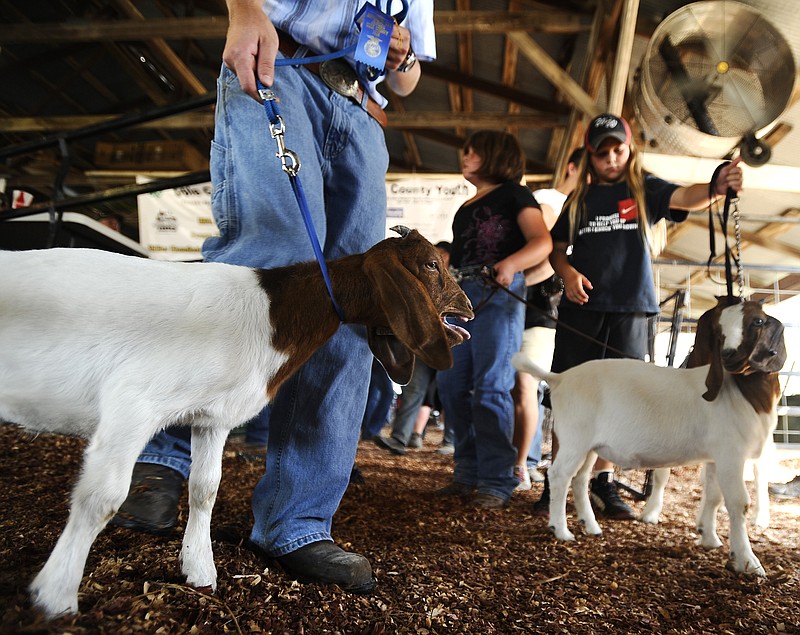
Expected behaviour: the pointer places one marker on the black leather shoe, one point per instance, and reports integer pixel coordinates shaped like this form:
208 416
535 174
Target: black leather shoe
152 503
327 563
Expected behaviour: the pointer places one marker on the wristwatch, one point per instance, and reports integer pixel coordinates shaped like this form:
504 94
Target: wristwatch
408 63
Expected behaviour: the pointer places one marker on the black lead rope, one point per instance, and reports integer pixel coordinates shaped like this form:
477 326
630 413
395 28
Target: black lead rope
486 274
723 222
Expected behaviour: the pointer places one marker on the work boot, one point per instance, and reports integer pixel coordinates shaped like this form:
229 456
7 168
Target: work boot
541 508
606 500
152 502
327 563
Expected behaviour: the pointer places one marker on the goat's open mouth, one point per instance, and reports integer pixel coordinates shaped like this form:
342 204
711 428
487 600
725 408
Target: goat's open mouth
454 330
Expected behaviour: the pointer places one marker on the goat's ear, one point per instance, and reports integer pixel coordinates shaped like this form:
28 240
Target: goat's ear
409 311
715 372
396 359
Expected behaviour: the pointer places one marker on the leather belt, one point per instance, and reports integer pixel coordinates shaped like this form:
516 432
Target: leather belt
337 74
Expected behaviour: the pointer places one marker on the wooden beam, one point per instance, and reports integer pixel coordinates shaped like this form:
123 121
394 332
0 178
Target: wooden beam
190 120
555 74
543 21
622 63
216 27
171 59
507 92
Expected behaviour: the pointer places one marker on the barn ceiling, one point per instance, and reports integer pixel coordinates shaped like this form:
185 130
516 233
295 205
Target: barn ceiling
87 84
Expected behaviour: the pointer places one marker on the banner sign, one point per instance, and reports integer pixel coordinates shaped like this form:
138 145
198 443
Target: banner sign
426 203
174 223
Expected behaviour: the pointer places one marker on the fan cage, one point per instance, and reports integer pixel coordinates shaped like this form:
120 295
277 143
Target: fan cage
739 68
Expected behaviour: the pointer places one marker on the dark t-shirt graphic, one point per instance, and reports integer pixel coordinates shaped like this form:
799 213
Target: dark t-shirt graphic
487 230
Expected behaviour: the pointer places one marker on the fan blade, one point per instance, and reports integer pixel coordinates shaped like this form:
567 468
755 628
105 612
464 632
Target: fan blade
695 99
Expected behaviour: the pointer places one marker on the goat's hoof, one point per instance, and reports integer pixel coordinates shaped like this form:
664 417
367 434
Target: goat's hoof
52 609
565 535
591 528
750 567
648 519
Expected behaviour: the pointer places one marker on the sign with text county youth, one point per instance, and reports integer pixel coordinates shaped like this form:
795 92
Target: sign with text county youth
174 223
426 203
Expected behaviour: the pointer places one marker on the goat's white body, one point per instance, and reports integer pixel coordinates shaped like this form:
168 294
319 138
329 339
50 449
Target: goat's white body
639 415
759 512
114 349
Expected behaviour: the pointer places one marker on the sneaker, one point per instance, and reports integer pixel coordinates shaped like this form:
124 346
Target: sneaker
461 490
327 563
446 448
415 441
786 490
482 500
523 478
541 508
605 498
152 502
390 443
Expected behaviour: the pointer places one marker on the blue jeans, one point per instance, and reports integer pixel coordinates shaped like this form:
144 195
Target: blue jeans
379 402
476 391
314 420
413 397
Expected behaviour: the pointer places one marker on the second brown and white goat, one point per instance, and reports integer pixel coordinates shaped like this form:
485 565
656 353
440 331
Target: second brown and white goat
115 348
639 416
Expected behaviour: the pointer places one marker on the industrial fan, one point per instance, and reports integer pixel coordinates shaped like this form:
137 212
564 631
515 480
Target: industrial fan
715 74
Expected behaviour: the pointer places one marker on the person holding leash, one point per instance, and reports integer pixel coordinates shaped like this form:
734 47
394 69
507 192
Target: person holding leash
333 120
609 290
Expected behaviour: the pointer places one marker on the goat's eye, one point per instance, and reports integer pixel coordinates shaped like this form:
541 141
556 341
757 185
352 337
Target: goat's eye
758 322
432 265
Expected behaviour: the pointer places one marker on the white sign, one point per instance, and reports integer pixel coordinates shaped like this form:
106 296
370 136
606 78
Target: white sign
174 223
426 203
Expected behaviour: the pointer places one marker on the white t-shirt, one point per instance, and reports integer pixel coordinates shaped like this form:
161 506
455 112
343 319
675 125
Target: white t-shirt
552 197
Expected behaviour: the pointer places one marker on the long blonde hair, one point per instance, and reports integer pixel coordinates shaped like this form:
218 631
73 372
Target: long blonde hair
575 204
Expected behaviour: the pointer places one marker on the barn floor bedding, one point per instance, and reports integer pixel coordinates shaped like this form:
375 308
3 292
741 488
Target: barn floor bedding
441 567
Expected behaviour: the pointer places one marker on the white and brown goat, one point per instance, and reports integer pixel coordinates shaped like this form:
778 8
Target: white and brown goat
116 348
701 355
642 416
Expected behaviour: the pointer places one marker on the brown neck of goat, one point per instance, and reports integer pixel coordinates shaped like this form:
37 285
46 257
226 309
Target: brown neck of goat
301 311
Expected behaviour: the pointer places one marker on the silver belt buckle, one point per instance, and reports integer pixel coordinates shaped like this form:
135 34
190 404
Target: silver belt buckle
339 76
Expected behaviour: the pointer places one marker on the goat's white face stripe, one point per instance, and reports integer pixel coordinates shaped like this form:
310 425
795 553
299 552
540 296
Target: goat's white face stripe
731 320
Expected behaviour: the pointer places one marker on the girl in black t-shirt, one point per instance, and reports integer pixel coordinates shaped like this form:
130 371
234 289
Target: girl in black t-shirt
608 277
500 227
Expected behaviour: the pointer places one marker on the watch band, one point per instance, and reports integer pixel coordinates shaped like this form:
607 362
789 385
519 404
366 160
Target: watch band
408 63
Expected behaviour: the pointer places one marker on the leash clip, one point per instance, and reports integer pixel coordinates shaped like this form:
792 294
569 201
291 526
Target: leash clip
290 162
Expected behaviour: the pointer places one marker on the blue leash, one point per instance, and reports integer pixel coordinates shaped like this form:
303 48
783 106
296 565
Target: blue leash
290 164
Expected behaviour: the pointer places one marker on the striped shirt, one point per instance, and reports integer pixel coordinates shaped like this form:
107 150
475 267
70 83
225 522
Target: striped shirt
326 26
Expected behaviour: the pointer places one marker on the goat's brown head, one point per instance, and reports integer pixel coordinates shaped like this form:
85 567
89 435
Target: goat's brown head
416 295
737 337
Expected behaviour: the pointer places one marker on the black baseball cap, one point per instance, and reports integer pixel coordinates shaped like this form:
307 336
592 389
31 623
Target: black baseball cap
606 126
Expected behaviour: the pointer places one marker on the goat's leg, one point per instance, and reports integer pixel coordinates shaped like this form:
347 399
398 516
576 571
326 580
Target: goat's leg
580 494
559 475
710 502
197 556
759 516
731 481
655 502
98 494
